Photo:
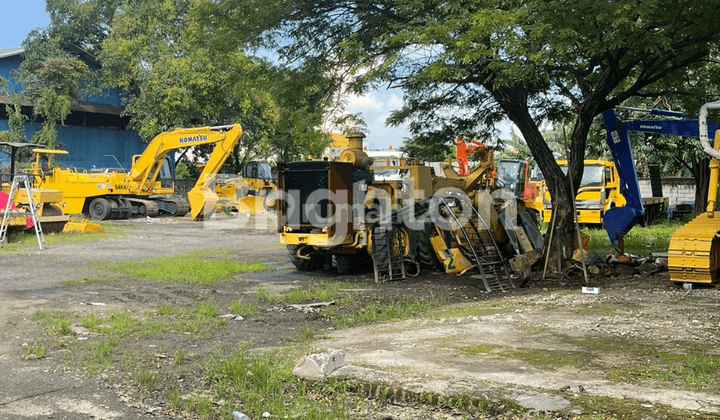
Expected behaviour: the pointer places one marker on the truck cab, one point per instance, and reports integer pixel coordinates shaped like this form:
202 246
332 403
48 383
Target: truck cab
598 192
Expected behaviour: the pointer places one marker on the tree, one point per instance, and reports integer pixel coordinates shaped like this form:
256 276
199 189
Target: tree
16 119
432 152
179 73
52 76
466 65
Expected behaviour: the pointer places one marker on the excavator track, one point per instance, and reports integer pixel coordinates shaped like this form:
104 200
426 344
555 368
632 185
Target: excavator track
144 207
694 251
170 206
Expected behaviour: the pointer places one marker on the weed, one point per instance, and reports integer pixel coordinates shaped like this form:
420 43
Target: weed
145 379
54 322
99 356
241 308
178 357
306 334
174 398
34 352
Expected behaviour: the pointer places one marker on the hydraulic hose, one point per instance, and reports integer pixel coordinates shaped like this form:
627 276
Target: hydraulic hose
702 120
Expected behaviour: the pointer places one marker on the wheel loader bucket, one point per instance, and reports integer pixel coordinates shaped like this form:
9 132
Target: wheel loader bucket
251 204
86 226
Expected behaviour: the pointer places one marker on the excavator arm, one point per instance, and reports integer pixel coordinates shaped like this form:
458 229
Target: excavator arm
620 220
146 167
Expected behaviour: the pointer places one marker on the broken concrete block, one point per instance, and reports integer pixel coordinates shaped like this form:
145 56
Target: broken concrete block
319 365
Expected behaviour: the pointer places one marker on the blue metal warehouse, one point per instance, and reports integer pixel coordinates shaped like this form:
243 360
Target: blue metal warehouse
95 133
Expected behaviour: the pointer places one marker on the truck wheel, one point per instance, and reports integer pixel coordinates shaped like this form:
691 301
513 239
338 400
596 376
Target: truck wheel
302 263
99 209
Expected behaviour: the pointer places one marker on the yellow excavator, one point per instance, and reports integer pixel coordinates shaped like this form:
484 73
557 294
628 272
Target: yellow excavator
116 194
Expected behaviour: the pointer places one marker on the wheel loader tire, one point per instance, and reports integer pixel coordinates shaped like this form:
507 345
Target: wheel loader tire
423 249
99 209
302 263
344 264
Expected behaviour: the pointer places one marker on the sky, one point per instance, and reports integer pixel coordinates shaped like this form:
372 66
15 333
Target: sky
23 16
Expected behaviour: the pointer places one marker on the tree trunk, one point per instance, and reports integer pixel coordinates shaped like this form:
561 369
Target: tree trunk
513 100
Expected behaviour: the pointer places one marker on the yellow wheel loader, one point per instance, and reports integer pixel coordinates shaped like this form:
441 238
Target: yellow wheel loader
117 194
252 190
338 214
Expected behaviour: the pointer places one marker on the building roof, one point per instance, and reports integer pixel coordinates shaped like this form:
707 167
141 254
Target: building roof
9 52
76 105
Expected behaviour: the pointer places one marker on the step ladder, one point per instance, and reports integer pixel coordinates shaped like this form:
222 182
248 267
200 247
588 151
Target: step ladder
387 253
471 234
17 181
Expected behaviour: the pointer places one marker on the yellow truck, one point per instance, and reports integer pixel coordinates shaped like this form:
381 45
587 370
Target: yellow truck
599 191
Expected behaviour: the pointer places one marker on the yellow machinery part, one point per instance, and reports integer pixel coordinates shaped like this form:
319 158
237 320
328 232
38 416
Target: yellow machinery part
85 226
452 259
694 251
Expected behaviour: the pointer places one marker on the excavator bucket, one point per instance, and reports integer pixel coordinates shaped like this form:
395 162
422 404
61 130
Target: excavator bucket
85 226
620 220
202 202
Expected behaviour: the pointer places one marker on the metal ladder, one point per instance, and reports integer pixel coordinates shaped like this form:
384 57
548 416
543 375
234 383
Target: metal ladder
17 180
474 238
387 254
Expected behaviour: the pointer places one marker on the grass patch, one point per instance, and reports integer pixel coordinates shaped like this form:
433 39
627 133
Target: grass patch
544 358
238 307
256 382
22 242
34 352
476 349
191 268
321 292
354 312
378 311
637 239
689 371
55 323
599 310
601 408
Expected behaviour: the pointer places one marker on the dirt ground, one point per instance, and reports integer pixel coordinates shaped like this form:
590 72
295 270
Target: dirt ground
547 347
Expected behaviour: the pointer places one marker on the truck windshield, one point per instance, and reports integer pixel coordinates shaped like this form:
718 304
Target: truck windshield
592 175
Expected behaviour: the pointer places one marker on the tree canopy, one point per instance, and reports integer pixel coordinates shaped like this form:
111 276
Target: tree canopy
466 65
178 70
